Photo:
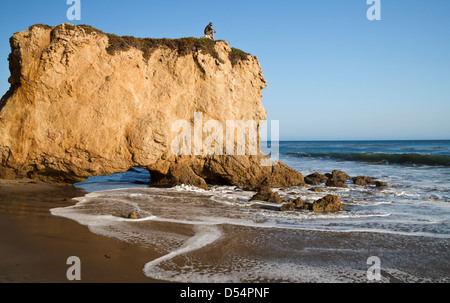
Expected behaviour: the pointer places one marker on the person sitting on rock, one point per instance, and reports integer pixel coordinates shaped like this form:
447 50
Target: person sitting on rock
209 31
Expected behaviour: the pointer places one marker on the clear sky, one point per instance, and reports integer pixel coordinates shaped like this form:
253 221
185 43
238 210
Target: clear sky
332 74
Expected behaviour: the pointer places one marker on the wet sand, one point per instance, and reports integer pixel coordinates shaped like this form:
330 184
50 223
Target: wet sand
35 245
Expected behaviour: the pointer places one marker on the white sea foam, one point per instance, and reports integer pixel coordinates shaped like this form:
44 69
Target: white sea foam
367 203
206 211
184 187
255 271
229 209
251 270
205 235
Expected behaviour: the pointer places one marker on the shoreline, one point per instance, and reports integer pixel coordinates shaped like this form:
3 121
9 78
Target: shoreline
36 245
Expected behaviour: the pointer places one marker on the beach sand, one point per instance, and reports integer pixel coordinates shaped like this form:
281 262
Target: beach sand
35 245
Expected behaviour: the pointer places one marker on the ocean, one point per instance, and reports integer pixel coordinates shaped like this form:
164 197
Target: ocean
220 236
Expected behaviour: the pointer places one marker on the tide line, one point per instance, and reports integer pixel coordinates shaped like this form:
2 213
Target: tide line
205 235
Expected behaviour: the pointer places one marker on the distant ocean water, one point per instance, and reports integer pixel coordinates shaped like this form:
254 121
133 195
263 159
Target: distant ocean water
414 153
415 205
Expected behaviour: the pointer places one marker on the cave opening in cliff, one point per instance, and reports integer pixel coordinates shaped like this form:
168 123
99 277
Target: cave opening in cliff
134 177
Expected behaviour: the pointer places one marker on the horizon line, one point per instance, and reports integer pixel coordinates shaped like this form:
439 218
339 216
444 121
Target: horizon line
340 140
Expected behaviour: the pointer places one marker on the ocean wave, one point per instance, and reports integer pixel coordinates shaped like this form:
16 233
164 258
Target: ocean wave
383 158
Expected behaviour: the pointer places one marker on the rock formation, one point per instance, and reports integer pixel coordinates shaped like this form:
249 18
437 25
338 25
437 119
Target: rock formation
338 175
380 184
335 183
363 180
337 179
83 103
287 206
329 203
264 193
315 179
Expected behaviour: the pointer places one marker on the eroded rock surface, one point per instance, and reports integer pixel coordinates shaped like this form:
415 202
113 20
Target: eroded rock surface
76 110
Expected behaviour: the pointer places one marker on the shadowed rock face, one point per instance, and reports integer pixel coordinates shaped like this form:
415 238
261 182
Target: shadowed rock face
74 110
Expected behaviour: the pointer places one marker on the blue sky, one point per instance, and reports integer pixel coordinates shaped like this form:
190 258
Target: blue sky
332 74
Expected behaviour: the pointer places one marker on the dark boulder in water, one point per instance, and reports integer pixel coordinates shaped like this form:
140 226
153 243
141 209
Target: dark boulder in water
339 176
264 193
298 201
329 203
316 189
363 180
306 206
315 179
335 183
287 206
381 184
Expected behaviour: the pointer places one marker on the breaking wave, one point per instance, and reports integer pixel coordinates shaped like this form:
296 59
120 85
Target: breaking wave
382 158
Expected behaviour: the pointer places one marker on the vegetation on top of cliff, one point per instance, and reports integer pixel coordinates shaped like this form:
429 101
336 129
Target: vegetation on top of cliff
67 26
87 28
184 46
39 25
236 55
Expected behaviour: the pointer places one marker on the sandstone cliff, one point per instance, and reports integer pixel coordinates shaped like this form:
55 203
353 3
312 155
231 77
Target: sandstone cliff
81 106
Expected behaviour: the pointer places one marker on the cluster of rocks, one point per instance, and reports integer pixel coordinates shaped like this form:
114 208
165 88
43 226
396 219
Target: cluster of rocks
246 172
339 178
329 203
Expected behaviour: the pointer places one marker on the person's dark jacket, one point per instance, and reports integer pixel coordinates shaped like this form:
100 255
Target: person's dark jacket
208 29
